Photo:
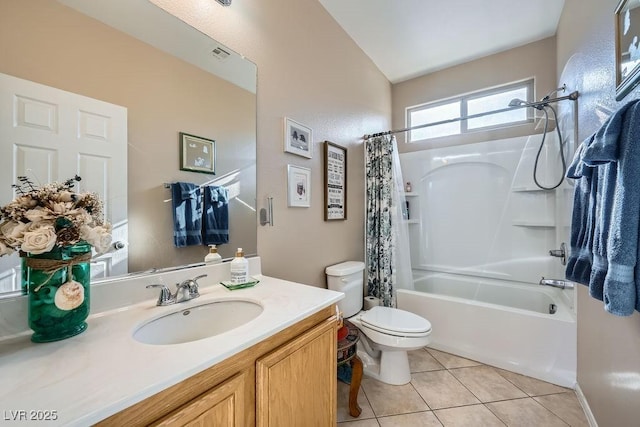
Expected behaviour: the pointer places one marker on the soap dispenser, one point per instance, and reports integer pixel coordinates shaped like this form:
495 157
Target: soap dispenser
213 257
239 268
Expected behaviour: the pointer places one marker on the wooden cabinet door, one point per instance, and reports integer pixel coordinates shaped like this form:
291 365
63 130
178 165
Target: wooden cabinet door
222 406
296 383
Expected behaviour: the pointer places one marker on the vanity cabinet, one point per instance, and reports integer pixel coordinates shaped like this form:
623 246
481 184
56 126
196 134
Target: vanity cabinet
296 383
223 405
288 379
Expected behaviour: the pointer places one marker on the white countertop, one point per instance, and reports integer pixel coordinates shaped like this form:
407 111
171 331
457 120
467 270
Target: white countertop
102 371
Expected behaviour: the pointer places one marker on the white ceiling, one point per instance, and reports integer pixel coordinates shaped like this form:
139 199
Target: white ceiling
410 38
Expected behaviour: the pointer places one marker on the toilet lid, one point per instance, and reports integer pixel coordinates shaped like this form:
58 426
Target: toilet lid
394 321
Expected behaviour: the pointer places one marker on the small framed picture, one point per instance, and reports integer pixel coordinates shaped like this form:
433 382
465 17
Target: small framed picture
627 25
335 182
299 186
197 154
298 139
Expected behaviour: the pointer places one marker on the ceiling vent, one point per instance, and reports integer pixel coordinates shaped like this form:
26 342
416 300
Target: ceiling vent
220 53
225 2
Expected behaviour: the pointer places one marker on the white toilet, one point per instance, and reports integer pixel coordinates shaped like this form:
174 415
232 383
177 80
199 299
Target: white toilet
386 333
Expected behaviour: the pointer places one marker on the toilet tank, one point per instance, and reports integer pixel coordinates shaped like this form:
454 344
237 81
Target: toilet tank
347 277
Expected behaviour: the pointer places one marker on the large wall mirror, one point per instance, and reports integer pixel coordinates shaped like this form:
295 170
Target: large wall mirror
169 78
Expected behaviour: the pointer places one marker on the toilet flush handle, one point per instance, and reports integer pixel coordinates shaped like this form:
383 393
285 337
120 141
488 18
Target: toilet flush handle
344 280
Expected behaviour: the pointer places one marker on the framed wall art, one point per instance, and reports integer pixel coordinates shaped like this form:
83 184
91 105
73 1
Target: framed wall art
298 186
627 25
197 154
335 182
298 138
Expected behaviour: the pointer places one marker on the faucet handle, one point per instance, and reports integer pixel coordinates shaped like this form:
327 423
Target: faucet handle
165 297
193 288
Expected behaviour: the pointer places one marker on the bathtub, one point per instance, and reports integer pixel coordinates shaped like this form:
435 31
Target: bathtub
503 324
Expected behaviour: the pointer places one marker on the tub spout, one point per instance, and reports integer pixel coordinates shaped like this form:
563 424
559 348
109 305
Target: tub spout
555 283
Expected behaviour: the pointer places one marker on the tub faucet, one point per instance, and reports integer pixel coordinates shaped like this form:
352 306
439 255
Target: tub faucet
556 283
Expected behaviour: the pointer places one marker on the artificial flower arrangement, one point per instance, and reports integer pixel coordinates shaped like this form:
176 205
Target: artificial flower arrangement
41 218
54 229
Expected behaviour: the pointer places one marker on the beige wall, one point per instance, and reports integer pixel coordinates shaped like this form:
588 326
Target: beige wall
536 60
311 71
608 346
48 43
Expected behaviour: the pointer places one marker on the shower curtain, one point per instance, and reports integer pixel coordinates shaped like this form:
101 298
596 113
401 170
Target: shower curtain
387 237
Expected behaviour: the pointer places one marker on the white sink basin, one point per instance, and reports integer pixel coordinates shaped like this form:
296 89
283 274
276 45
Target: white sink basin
198 322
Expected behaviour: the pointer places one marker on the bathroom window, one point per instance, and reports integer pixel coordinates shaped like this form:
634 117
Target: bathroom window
468 105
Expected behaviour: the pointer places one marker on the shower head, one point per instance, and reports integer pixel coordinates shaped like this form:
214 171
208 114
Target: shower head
517 102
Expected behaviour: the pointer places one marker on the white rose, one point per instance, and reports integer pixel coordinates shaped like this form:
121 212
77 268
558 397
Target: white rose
39 240
99 237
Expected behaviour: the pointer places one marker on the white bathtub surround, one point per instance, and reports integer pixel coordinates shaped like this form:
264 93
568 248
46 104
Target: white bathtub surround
91 376
480 213
500 323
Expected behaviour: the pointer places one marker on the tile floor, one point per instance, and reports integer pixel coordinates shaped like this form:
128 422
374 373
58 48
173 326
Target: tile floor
447 390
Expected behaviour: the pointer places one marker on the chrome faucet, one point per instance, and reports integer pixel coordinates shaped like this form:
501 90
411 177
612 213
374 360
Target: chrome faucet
185 291
189 288
556 283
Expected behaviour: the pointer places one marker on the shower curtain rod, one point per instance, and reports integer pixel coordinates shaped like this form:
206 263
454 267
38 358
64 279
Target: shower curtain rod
573 96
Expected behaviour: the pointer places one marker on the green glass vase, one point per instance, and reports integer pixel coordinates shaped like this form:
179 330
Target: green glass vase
58 286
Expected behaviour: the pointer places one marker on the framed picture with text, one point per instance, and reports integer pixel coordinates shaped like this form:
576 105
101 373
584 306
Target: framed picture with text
335 182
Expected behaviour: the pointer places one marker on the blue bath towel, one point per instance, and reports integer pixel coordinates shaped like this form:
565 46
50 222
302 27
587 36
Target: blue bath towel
580 260
613 157
186 203
216 215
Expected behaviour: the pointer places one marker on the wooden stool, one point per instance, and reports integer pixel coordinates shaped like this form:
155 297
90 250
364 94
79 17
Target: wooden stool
347 353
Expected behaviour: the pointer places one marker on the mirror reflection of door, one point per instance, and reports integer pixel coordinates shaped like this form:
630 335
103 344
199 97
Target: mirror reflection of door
55 135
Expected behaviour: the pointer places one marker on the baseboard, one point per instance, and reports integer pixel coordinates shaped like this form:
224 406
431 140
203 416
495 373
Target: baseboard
585 407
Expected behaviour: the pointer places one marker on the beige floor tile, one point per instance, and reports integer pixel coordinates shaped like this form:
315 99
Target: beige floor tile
486 384
531 386
465 416
360 423
524 413
417 419
440 390
421 361
388 399
450 361
343 404
565 406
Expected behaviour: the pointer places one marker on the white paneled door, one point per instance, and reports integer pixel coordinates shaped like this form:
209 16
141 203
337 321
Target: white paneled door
49 135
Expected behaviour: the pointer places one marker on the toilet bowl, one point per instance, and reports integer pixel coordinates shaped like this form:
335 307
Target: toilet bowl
386 333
